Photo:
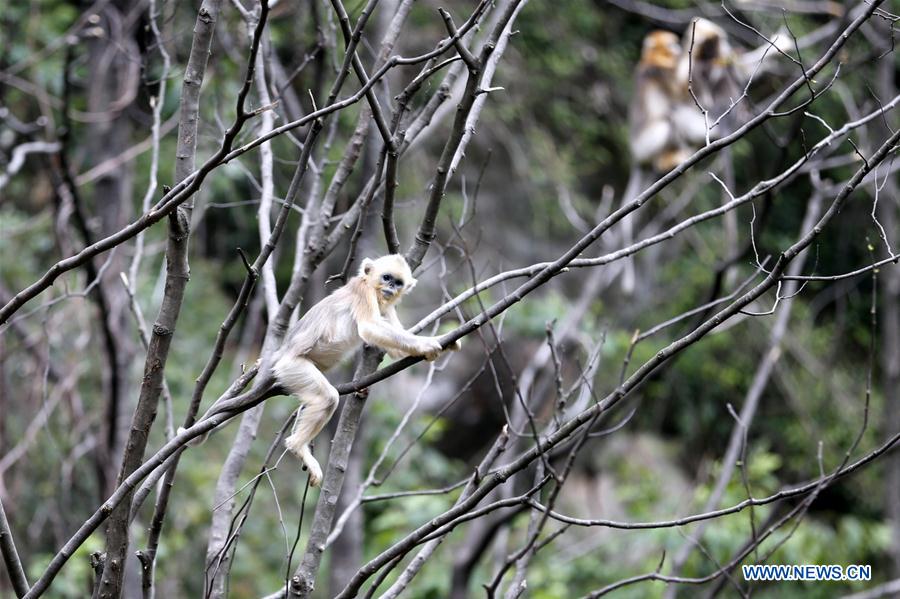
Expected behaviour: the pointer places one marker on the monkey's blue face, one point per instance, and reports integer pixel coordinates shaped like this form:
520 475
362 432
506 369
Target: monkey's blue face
391 285
389 276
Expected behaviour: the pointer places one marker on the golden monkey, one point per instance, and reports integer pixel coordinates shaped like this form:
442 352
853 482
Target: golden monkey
706 72
653 134
657 94
362 311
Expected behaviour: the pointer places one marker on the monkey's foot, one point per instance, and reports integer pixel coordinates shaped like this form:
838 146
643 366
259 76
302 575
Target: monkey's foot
302 451
315 471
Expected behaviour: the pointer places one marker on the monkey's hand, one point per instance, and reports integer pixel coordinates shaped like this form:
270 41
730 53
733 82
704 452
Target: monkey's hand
429 348
455 346
196 440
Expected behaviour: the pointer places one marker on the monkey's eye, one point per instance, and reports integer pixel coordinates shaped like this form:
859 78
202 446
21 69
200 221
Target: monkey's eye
386 277
398 282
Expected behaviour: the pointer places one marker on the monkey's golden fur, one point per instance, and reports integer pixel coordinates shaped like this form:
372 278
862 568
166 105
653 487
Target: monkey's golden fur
657 93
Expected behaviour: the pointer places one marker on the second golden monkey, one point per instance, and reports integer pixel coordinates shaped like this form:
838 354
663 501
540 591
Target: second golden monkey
657 93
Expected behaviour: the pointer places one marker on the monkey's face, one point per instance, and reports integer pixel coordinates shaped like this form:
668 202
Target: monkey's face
707 43
391 286
661 49
389 276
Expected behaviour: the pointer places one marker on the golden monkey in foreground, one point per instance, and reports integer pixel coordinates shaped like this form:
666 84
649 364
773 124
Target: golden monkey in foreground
362 311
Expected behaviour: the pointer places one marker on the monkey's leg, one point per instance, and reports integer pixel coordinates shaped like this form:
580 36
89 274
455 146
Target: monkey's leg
318 400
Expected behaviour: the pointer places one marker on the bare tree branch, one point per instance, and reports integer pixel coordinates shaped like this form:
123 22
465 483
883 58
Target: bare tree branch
11 558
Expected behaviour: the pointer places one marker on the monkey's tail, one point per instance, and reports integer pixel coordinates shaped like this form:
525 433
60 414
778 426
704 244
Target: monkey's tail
632 189
264 387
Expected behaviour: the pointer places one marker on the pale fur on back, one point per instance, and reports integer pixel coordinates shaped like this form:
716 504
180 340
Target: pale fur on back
327 332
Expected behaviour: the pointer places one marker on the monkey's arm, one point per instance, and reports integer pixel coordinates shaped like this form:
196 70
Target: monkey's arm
396 340
394 320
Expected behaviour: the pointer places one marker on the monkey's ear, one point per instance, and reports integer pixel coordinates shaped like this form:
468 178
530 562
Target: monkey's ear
366 266
412 283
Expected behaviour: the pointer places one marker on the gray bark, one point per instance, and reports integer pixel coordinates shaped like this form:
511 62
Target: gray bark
347 549
177 275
